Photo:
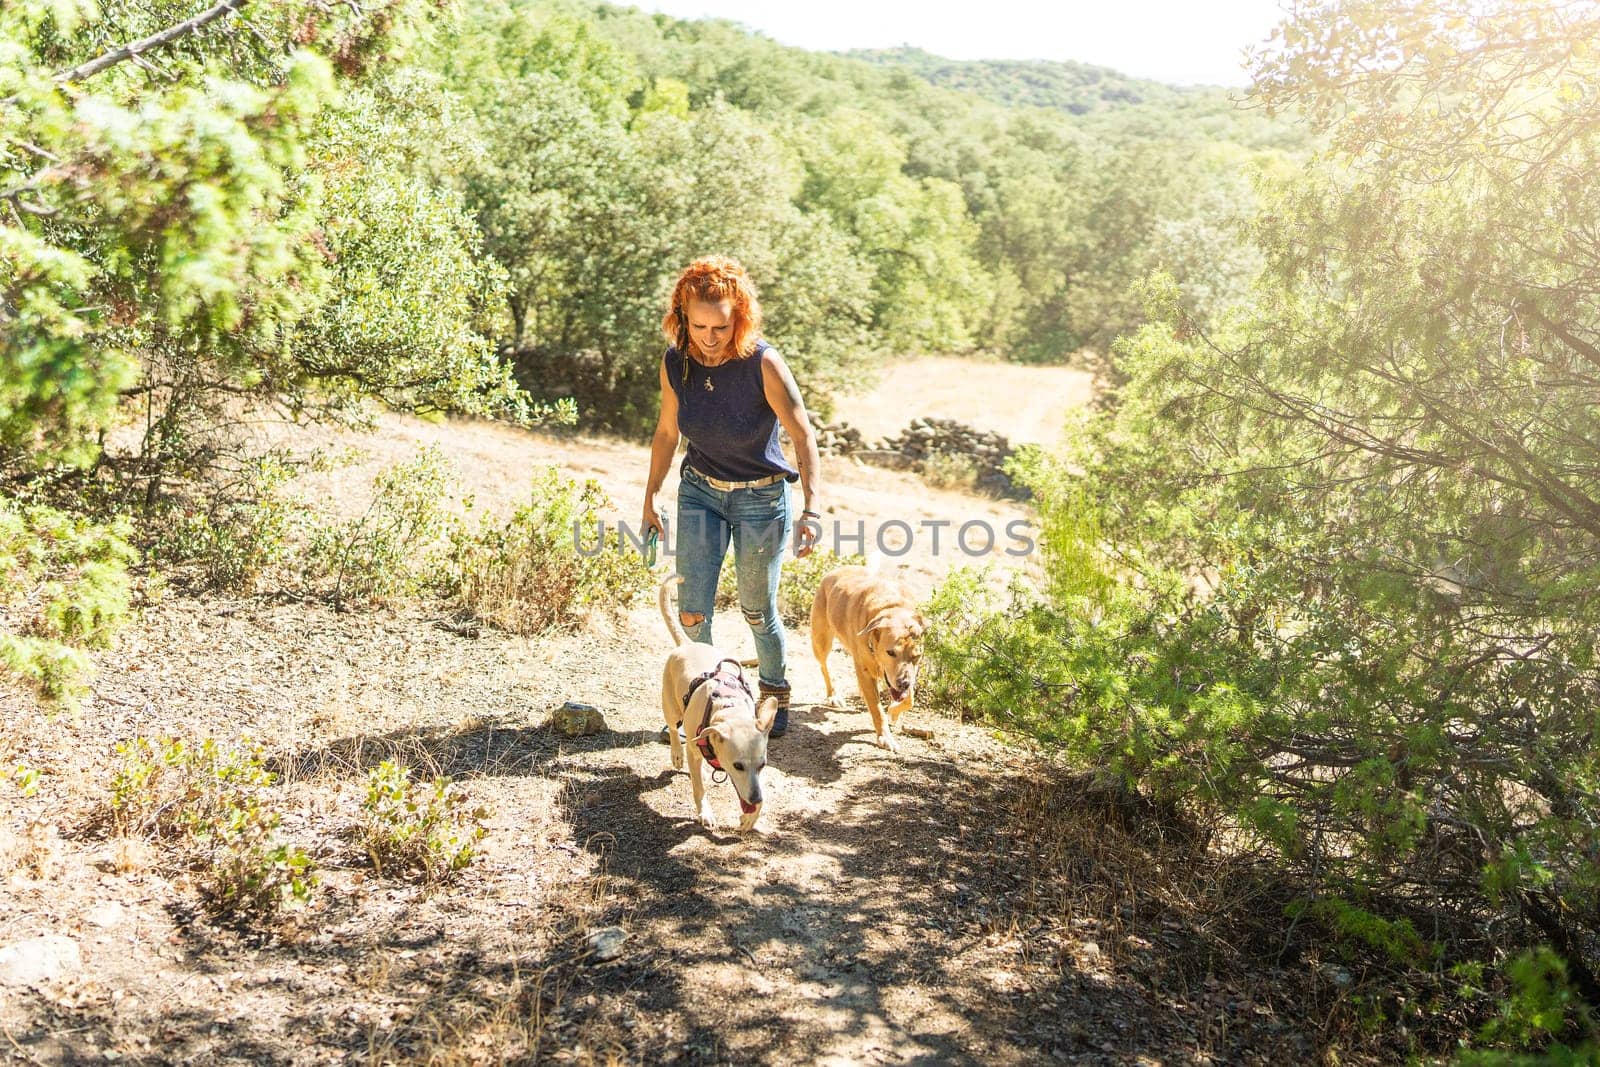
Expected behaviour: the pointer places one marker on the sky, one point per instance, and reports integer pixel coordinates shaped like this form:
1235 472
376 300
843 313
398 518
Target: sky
1181 42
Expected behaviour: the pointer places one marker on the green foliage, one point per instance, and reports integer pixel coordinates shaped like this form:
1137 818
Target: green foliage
425 831
64 586
928 292
246 214
1077 88
396 546
249 875
877 212
547 565
174 788
798 581
1542 1005
1395 939
23 778
210 803
242 528
1319 572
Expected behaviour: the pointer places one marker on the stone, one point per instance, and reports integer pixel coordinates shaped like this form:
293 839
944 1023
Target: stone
38 959
573 719
605 943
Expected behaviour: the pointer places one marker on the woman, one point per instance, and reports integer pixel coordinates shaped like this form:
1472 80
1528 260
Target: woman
727 391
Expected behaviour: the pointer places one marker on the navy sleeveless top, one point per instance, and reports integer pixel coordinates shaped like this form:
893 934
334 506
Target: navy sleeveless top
724 415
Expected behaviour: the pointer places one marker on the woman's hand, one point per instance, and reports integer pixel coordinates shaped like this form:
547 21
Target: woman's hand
650 519
807 532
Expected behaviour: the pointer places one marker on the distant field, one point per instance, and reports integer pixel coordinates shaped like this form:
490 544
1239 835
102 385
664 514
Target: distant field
1026 403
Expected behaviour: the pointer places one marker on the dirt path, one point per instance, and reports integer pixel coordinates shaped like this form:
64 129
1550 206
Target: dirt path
886 910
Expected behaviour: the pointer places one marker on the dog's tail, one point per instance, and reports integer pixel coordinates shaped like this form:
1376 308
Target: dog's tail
678 636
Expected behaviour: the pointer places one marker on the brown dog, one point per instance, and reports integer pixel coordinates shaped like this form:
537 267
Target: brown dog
877 622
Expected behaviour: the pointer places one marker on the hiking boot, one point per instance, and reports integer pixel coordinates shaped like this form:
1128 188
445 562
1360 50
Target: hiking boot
780 722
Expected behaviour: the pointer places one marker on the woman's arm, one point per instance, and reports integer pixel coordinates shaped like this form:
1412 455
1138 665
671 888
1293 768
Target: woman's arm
783 395
662 447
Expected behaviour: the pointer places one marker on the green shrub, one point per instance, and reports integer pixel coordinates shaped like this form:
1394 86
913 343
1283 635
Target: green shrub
959 607
1249 653
396 546
1540 1007
56 671
245 528
798 581
64 586
424 831
546 565
210 805
170 789
248 874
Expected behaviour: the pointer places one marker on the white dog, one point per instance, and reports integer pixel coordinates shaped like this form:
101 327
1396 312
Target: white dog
703 689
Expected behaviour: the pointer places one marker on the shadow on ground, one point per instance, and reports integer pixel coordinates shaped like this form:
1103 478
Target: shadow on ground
897 922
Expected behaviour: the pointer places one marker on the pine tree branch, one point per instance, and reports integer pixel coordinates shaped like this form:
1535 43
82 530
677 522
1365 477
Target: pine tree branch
134 49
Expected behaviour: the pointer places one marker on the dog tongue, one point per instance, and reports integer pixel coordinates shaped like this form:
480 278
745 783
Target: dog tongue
745 805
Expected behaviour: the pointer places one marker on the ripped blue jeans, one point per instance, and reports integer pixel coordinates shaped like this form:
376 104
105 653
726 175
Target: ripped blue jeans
756 522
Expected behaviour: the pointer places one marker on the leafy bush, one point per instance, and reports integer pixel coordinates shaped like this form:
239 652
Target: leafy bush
245 527
248 873
169 789
271 220
424 831
546 566
64 585
397 545
210 804
798 581
1540 1007
1320 577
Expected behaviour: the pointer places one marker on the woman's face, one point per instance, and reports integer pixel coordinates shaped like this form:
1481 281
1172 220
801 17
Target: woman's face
711 326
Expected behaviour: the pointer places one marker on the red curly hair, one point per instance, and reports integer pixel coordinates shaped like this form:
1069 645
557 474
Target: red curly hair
710 279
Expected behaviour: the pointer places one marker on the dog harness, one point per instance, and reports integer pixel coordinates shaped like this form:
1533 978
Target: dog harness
722 684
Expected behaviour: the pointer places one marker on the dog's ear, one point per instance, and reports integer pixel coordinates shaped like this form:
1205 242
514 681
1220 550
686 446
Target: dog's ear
712 734
919 625
875 624
766 712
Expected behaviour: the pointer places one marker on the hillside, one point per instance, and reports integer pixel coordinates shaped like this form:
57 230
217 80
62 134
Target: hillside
1111 106
1063 85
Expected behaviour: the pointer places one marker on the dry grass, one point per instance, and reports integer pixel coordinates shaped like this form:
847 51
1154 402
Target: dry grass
950 470
519 1012
1142 890
1026 403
